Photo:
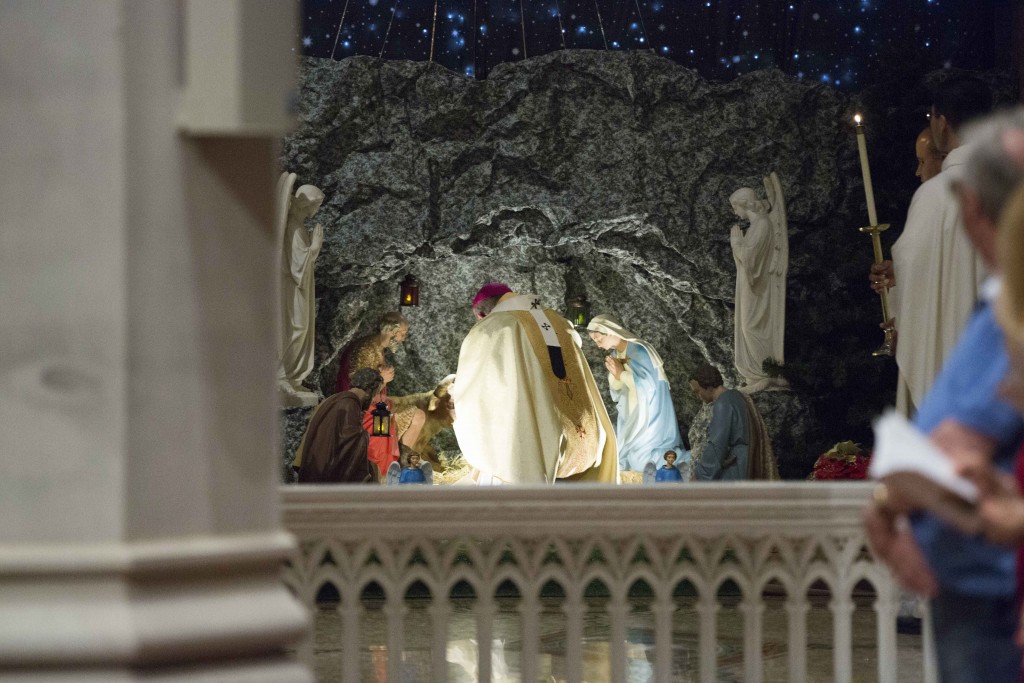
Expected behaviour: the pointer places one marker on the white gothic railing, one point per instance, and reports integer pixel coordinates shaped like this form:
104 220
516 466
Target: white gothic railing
425 562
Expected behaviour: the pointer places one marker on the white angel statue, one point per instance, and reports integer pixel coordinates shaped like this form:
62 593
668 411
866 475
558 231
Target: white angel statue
298 296
415 473
762 259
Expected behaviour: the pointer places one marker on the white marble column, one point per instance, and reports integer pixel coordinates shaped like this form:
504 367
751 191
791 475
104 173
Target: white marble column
139 527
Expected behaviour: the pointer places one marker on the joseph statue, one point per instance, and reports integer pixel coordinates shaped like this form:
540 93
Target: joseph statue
527 409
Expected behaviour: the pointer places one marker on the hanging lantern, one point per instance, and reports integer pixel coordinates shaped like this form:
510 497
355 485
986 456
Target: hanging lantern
409 291
579 310
381 420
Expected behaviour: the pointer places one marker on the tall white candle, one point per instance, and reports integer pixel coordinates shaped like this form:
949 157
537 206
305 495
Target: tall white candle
865 170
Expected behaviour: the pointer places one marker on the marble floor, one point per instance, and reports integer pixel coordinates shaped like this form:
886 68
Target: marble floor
640 648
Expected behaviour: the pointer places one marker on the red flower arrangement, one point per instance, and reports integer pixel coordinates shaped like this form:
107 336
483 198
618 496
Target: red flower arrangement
845 460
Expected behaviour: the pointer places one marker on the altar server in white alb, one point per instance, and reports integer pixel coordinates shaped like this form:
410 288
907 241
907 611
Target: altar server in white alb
646 426
935 273
527 409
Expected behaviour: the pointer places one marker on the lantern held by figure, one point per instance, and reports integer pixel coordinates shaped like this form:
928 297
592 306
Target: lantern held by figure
410 291
579 310
381 420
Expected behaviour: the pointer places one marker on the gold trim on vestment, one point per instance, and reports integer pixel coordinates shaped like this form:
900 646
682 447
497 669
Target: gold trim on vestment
570 396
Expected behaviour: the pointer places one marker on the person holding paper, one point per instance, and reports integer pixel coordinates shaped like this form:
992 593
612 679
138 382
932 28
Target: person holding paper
1001 505
935 274
970 581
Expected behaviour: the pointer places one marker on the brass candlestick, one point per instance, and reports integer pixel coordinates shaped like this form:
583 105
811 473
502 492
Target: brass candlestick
888 347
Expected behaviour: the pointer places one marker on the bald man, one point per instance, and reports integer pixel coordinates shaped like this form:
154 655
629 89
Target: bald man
929 158
929 165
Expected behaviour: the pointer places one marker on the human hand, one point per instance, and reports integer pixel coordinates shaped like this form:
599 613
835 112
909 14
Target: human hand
891 541
614 366
1002 519
1000 505
318 236
882 276
388 373
970 450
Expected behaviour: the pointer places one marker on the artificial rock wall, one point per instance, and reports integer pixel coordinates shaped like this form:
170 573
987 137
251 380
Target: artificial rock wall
597 173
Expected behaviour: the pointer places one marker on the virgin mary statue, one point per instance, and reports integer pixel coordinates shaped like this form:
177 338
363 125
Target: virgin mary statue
646 426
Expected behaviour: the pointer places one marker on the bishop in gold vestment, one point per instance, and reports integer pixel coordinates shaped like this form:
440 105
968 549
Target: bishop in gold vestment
527 409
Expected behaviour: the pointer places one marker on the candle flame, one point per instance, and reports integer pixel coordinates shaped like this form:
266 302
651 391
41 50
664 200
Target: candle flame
857 119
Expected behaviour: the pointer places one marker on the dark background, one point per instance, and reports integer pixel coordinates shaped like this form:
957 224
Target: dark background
850 44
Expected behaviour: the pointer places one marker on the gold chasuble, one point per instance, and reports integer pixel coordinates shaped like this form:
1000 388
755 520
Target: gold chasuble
527 409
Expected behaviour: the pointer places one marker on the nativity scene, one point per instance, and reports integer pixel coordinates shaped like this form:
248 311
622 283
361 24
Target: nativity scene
494 371
612 407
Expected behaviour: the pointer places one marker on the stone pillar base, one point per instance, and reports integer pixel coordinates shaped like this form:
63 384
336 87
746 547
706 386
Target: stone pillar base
201 609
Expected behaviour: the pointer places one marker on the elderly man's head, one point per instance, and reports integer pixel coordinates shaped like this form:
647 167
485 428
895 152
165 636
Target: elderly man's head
394 328
992 171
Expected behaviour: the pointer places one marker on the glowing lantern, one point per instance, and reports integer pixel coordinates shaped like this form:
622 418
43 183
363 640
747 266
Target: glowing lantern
409 291
381 420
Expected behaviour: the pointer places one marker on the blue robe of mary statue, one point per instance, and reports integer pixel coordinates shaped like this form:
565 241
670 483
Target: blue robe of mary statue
646 426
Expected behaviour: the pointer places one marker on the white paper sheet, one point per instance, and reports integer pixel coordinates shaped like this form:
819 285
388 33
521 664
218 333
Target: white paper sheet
901 447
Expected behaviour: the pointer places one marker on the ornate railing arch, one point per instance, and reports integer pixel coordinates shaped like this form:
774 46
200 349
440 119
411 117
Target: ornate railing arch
684 542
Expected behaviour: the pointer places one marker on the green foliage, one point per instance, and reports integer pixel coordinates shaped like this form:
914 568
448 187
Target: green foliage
773 368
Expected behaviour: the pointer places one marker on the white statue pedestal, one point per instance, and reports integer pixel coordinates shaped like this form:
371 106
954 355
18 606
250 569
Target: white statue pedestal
290 397
767 384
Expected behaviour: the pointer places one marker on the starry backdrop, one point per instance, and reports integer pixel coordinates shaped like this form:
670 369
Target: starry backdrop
850 44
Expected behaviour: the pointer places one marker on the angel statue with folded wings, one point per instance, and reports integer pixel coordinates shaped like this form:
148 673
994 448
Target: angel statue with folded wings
416 472
300 248
761 253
